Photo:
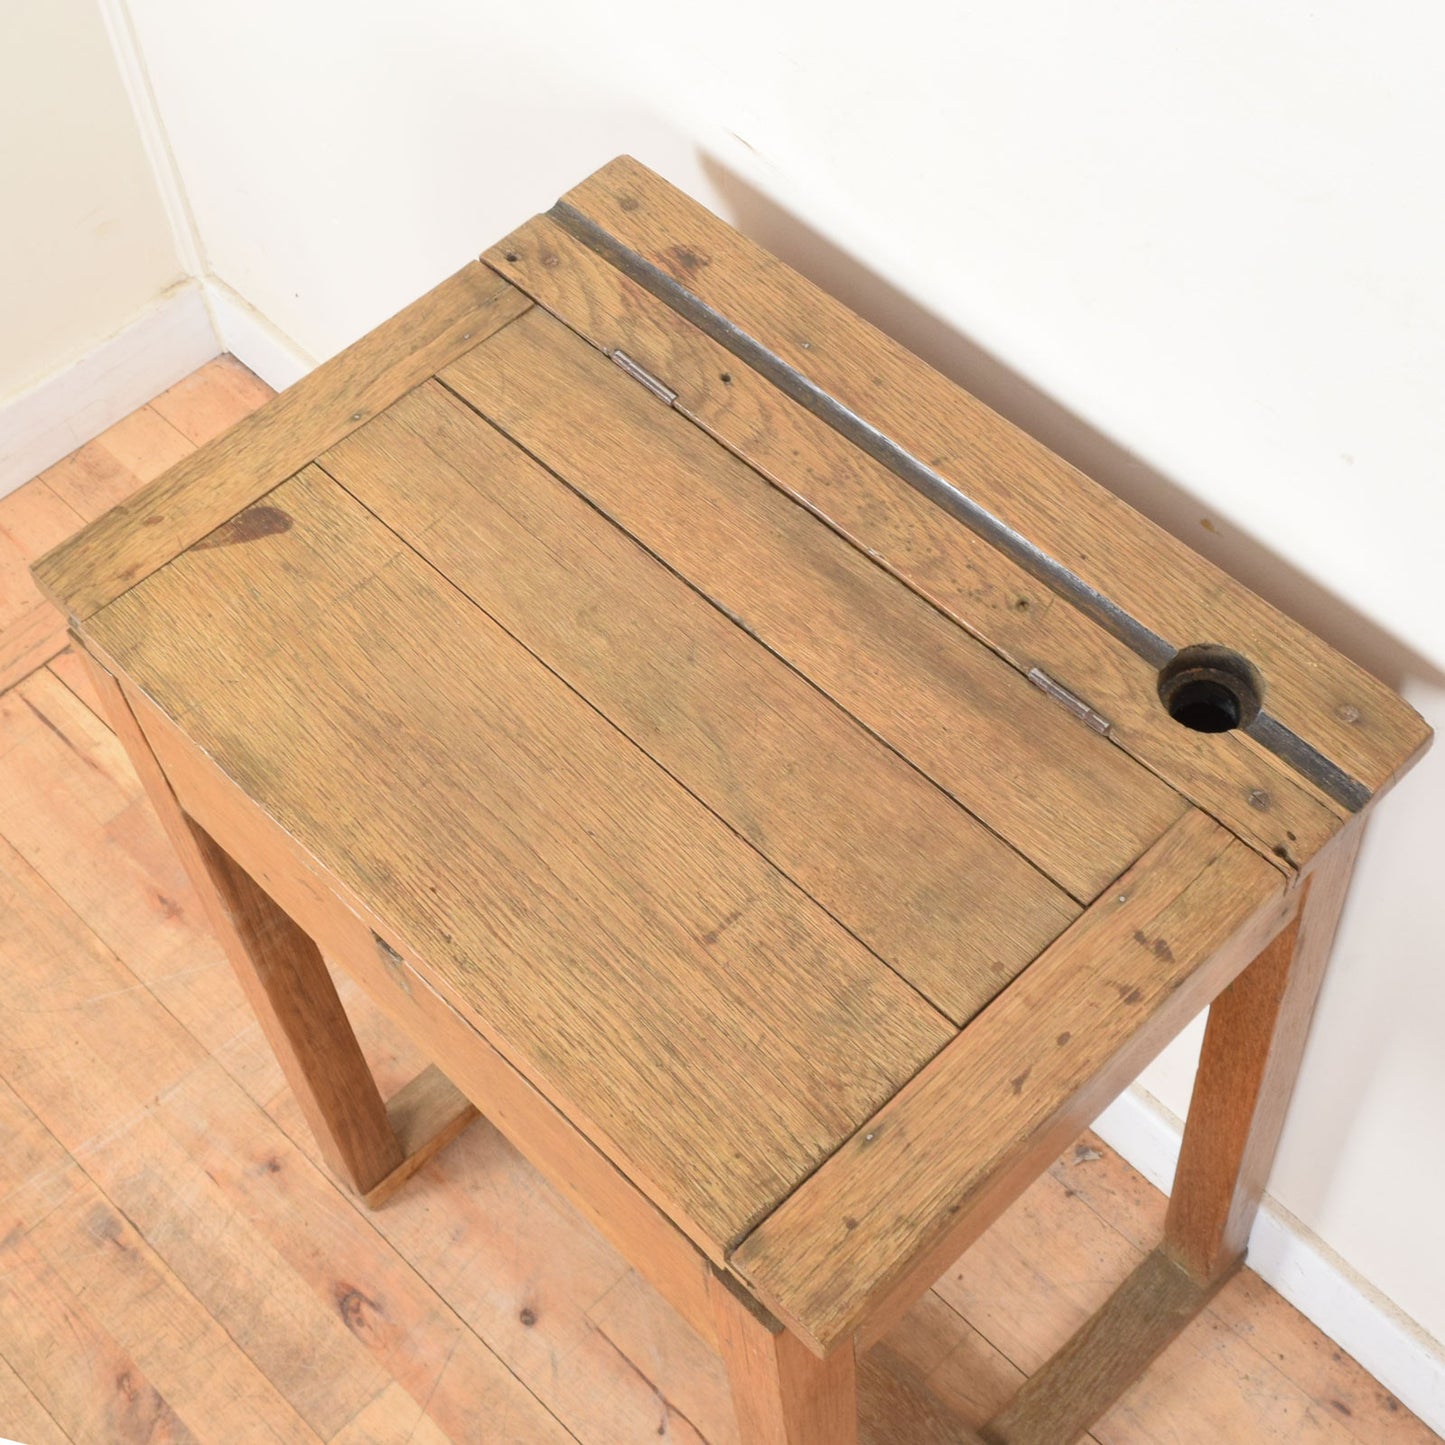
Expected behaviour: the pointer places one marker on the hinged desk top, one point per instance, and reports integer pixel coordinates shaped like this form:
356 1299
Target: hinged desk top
755 737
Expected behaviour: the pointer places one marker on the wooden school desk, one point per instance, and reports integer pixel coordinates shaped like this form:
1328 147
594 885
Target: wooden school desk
785 798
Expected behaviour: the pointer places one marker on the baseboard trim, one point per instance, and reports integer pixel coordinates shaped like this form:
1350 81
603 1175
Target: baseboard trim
1301 1267
167 341
253 340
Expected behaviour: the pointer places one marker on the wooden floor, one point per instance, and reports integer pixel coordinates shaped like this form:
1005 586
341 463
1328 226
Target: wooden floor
176 1265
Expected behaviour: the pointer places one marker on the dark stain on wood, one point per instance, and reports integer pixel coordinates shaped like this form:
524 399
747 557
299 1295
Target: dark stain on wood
248 526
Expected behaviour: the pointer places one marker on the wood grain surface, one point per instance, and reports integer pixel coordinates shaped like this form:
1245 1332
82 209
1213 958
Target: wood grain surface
1077 807
151 1172
933 1168
1352 718
446 1025
203 489
894 859
1257 795
612 931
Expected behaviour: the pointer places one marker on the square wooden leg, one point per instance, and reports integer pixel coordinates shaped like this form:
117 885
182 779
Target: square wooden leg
372 1145
1252 1049
782 1392
1253 1045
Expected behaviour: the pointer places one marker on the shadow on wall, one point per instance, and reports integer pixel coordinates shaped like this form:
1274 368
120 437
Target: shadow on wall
1148 491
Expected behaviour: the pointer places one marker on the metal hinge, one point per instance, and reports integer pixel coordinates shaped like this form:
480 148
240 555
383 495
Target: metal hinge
638 373
1075 705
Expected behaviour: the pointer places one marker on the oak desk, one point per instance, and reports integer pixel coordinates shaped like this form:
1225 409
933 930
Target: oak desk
784 797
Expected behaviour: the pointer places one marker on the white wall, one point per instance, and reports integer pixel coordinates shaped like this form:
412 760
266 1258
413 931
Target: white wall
1197 248
84 241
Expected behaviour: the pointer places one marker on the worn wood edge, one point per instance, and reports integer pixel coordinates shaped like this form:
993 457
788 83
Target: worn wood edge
1313 719
1111 1350
979 1189
675 1262
427 1113
1248 788
126 544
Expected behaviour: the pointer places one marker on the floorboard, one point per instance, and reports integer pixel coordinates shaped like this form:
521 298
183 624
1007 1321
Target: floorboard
176 1264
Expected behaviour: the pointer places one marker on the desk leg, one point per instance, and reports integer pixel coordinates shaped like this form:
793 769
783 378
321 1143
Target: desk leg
782 1392
283 976
1253 1044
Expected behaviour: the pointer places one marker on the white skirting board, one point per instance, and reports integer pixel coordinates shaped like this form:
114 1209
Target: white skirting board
1292 1260
182 330
167 341
252 340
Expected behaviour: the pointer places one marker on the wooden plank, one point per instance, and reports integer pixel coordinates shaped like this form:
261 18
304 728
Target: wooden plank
93 1389
24 1417
936 1165
611 930
1253 1044
896 1409
1057 792
200 492
114 466
425 1116
71 805
97 1255
783 1394
1335 705
680 1365
1095 1368
29 641
31 519
35 517
894 859
428 1009
257 1234
126 1074
1252 792
393 1415
212 399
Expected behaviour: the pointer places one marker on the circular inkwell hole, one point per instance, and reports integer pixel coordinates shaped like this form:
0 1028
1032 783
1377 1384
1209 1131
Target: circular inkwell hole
1210 689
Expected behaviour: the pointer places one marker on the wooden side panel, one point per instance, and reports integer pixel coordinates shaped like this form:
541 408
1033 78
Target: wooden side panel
893 858
215 482
1254 793
1079 808
438 1020
611 930
885 1215
1351 717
